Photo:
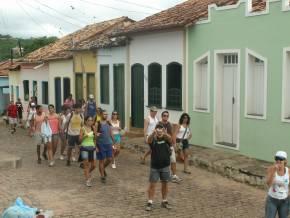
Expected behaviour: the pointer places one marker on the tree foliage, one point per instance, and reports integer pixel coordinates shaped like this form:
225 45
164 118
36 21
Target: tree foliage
8 42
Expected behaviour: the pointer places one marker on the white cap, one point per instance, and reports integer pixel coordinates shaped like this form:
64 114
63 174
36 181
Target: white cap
32 104
282 154
91 96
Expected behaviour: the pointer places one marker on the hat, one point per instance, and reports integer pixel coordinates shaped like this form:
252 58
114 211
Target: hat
153 108
91 96
32 104
282 154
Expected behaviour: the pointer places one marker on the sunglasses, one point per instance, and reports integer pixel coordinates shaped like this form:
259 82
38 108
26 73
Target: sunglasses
165 115
279 158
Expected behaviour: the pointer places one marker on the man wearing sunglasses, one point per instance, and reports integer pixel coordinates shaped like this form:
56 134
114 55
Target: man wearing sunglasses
278 181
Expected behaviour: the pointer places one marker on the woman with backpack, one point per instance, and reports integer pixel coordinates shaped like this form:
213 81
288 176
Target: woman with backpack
182 135
88 148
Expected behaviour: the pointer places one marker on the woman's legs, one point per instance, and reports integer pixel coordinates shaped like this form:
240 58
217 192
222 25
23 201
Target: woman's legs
86 169
185 154
270 208
50 152
55 141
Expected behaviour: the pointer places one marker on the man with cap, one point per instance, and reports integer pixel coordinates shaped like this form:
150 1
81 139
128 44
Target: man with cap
159 142
278 182
149 126
91 107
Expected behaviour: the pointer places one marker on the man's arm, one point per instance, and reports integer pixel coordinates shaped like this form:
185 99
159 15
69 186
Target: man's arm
151 137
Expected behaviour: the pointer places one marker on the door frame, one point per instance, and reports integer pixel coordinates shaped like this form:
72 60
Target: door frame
216 76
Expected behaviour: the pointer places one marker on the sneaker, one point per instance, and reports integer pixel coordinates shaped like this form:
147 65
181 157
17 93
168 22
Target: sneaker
88 183
51 164
61 157
68 163
186 172
114 166
175 179
166 205
149 206
103 179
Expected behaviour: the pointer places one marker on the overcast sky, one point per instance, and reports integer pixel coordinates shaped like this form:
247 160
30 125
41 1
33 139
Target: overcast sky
30 18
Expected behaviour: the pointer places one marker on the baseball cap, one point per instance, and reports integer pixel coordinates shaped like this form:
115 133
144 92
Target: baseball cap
153 108
32 104
281 154
91 96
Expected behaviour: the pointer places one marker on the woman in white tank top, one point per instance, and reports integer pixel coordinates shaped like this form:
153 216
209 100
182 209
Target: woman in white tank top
116 130
182 135
278 181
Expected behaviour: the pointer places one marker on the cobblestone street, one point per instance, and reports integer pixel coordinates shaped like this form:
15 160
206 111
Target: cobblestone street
61 188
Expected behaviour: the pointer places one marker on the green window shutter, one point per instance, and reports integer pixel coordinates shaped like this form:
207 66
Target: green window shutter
155 85
104 85
174 86
91 88
79 86
44 92
26 90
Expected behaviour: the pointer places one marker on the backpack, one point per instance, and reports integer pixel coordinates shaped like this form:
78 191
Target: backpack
71 115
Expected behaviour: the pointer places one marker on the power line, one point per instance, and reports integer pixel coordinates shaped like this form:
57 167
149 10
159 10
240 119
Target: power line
139 5
38 24
65 15
53 16
114 8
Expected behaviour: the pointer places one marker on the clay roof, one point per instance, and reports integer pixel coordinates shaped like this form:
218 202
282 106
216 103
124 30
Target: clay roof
105 39
5 66
60 49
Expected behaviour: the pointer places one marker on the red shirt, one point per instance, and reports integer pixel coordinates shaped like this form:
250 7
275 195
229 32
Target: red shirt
12 111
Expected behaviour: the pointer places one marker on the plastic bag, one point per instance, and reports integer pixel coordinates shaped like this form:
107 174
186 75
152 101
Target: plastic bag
19 210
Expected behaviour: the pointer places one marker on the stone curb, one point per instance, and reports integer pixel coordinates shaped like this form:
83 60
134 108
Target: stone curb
237 167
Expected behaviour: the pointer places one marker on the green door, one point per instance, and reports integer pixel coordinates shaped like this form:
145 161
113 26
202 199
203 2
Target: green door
137 93
119 92
57 91
79 90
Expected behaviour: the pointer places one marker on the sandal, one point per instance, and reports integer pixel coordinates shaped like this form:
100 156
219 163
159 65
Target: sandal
186 172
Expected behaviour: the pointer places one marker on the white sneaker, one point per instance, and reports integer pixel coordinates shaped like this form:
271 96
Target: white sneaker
74 159
51 164
114 166
88 183
61 157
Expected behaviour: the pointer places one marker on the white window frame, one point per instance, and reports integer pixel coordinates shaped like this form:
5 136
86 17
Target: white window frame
256 55
286 75
195 68
285 5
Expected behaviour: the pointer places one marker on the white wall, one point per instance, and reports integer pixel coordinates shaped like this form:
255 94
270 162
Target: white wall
111 56
62 69
162 48
39 75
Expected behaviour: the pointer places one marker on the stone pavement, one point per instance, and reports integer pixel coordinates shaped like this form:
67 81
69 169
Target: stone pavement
61 189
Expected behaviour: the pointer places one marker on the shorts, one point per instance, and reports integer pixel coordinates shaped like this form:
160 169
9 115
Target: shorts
159 174
46 139
117 138
12 120
89 155
55 137
20 116
73 140
172 156
38 139
105 151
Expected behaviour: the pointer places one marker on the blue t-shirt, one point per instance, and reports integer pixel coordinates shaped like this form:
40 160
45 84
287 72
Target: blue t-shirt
105 137
91 109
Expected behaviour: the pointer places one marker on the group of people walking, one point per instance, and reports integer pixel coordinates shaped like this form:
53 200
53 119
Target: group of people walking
82 129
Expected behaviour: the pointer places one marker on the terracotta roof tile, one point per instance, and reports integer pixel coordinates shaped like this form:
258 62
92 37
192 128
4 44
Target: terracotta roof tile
60 49
5 66
183 14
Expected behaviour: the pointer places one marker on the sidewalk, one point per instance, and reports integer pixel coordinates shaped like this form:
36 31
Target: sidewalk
8 161
237 167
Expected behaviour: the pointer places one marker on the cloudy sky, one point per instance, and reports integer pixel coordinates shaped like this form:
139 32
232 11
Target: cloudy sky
26 18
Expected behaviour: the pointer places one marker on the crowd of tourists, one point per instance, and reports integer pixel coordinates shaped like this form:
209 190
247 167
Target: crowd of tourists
84 131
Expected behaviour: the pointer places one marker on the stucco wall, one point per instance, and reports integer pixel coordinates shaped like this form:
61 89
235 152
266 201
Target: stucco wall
265 35
61 69
162 48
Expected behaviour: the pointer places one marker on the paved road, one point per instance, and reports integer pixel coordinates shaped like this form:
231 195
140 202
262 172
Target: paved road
61 189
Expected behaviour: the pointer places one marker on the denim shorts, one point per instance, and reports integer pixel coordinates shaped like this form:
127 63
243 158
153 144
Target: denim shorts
88 155
73 140
105 151
55 137
159 174
274 206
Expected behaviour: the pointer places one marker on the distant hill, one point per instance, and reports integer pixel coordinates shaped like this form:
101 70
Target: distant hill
8 42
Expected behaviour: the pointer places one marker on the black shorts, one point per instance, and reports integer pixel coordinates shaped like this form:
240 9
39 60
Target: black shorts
20 116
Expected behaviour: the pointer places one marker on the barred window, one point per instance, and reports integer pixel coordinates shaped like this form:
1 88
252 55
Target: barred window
154 85
174 86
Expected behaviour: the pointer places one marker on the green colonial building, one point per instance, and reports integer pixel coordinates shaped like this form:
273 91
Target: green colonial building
239 78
